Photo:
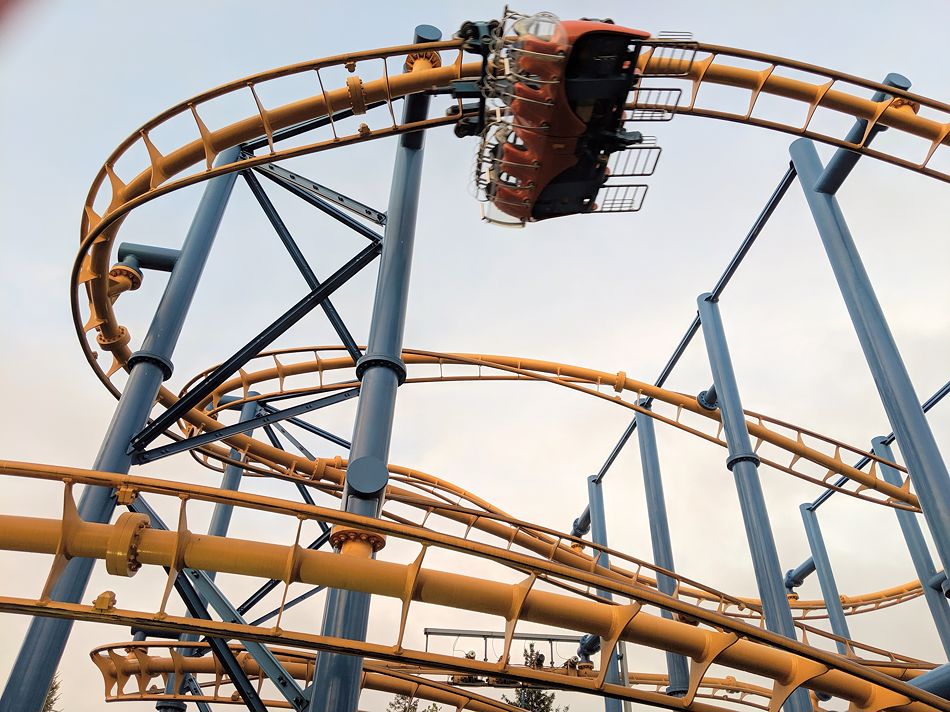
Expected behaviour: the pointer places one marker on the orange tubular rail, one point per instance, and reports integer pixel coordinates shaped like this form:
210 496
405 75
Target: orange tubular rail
699 64
121 663
564 375
99 229
130 544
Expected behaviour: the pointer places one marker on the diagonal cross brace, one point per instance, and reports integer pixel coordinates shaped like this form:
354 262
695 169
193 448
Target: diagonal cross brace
323 205
244 426
321 192
298 257
194 579
277 328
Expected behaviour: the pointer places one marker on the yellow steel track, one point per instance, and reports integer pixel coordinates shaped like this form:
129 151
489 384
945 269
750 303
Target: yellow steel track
559 576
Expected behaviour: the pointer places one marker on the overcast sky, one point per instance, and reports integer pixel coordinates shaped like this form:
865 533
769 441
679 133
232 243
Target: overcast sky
608 292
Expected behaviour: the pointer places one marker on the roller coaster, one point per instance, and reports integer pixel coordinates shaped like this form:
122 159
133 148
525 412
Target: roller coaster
557 110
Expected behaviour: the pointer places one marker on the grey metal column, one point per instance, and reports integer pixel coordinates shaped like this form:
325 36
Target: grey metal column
220 522
598 534
231 480
913 433
676 665
380 370
826 577
743 462
919 554
46 638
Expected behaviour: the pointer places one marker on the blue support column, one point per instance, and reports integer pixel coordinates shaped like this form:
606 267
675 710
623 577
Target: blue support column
826 577
46 638
912 432
676 665
598 534
381 371
743 462
936 681
919 554
231 480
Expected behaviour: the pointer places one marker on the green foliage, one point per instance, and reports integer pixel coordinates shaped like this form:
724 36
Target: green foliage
52 695
402 703
531 698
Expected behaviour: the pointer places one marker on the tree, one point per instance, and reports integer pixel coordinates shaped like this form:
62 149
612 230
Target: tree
52 695
404 703
534 699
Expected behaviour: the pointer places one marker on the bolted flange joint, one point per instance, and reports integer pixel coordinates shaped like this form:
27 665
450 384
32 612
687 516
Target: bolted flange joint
707 400
123 546
150 357
390 362
341 535
744 457
120 339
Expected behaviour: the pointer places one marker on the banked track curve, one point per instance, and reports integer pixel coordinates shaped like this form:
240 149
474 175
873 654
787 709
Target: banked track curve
162 175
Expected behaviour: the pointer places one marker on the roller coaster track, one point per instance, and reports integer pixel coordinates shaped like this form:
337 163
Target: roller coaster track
527 371
560 579
121 663
551 593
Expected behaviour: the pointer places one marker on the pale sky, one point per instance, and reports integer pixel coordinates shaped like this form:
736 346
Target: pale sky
608 292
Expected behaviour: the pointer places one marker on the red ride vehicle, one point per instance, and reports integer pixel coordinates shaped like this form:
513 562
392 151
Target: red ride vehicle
569 83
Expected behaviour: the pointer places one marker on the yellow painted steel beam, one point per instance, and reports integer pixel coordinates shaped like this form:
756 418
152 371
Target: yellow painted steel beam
98 230
122 663
744 647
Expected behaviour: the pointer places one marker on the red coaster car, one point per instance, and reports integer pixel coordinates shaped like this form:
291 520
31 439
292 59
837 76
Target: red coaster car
570 81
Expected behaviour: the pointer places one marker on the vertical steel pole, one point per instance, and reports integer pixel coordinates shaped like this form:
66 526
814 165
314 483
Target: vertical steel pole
826 576
231 480
919 554
598 534
914 436
743 462
676 665
45 640
381 371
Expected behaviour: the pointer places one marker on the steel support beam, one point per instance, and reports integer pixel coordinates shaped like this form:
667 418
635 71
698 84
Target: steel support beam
676 665
843 161
346 614
46 638
220 522
219 375
582 523
917 546
936 681
231 480
323 205
302 265
743 462
826 576
913 433
598 534
208 591
272 416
